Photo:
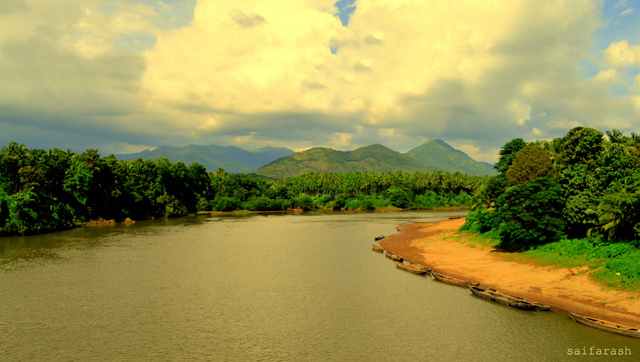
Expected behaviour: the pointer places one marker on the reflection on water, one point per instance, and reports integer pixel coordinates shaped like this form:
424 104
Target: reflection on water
255 287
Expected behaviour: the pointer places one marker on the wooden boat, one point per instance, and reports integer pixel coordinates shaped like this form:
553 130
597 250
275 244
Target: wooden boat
451 280
526 302
455 217
538 306
413 268
501 298
392 256
377 248
605 325
379 237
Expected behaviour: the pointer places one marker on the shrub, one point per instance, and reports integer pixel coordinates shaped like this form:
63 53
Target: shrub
304 202
367 204
225 203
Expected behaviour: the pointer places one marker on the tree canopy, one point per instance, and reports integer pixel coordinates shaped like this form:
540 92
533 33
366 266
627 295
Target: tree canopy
578 185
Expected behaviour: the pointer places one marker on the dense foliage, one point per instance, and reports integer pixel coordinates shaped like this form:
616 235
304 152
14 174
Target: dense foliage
557 194
42 191
570 201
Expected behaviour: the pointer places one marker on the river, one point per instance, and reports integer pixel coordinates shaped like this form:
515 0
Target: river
258 287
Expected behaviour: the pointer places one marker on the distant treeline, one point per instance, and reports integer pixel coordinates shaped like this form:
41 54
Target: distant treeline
43 191
577 195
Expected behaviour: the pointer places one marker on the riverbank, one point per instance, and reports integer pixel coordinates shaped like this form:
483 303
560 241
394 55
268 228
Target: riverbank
565 289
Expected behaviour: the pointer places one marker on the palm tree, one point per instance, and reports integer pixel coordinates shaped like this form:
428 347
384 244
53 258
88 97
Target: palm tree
619 211
615 136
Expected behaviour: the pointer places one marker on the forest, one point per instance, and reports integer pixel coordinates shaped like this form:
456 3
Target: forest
574 197
47 190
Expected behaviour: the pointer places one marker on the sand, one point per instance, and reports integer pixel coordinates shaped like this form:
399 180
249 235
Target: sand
562 288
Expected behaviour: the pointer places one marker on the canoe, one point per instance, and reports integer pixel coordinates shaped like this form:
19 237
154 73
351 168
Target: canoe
451 280
526 303
605 325
379 237
538 306
416 269
377 248
501 298
455 217
392 256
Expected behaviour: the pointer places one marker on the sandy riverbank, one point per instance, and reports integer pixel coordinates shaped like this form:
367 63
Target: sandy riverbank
562 288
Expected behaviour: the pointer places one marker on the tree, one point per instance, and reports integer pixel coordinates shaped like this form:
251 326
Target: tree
619 211
399 198
530 163
581 145
508 153
615 136
530 214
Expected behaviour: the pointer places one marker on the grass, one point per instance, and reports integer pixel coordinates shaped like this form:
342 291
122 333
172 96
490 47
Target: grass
473 240
613 264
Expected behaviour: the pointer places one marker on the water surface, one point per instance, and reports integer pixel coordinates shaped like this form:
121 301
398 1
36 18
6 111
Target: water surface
257 287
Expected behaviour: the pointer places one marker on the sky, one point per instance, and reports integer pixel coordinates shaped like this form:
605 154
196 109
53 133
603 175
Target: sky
122 76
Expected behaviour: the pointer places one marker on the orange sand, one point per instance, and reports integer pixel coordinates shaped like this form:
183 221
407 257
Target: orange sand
562 288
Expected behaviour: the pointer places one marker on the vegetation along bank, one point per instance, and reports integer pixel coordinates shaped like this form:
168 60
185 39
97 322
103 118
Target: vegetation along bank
572 200
47 190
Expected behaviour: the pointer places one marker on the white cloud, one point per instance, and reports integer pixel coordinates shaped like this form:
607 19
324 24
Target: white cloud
490 155
620 53
341 140
629 11
519 111
609 75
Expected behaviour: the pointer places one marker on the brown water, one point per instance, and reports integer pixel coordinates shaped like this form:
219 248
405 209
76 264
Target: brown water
259 287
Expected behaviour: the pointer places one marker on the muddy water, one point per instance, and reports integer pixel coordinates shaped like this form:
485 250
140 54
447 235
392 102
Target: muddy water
259 287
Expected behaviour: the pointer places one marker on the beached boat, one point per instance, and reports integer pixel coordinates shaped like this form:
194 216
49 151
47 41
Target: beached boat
392 256
377 248
379 237
451 280
525 302
413 268
455 217
501 298
606 325
538 306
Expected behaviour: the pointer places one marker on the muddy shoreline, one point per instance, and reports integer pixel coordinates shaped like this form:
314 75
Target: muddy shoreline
562 288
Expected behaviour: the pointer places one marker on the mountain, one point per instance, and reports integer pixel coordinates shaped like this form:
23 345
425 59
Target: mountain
437 153
232 159
373 158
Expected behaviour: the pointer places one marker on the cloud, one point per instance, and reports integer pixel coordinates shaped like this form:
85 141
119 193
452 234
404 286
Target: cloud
466 146
262 72
609 75
620 53
629 11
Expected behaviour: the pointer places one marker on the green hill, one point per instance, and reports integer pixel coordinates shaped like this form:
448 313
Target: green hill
373 158
437 153
232 159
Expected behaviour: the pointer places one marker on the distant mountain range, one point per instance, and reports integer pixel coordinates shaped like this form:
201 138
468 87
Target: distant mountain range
274 162
373 158
232 159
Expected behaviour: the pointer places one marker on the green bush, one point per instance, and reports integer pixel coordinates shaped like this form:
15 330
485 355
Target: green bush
367 204
225 204
352 204
303 202
398 198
